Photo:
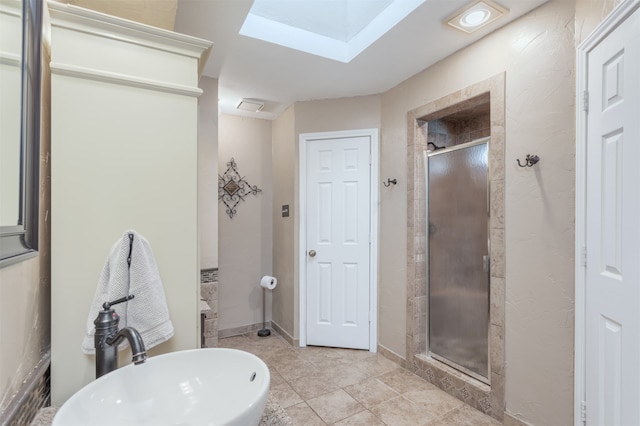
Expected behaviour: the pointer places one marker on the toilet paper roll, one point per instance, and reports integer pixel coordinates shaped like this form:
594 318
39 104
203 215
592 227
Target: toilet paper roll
268 282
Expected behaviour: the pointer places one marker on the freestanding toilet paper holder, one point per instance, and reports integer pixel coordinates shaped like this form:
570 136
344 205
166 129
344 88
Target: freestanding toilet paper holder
265 331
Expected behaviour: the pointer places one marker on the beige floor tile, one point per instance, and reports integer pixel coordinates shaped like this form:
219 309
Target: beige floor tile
303 415
282 356
435 400
330 357
341 352
402 412
335 406
261 352
309 387
465 416
294 368
316 352
377 365
353 354
363 418
327 363
322 386
272 340
275 377
403 381
285 395
312 356
371 392
345 375
235 342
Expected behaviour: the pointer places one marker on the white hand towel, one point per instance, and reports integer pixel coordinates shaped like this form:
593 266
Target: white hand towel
147 312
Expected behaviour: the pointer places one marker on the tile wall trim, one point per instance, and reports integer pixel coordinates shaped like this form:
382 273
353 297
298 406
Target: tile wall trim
237 331
392 356
286 336
34 394
511 420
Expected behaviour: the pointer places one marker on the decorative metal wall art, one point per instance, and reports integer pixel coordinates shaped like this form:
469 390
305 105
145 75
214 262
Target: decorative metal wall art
233 188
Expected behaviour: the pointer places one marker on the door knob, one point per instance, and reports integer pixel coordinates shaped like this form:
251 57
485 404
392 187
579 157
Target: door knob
312 253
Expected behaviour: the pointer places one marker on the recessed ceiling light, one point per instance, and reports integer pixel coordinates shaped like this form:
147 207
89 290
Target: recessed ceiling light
253 105
475 18
476 15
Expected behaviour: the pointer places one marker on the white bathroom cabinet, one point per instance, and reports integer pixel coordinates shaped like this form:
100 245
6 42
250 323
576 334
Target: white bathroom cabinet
124 105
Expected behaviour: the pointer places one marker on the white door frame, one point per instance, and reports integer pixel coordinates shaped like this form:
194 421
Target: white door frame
373 229
610 23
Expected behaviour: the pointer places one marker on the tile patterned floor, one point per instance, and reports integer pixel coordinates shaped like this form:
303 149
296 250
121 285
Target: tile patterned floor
329 386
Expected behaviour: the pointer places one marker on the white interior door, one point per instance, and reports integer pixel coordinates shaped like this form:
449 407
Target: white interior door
612 312
337 238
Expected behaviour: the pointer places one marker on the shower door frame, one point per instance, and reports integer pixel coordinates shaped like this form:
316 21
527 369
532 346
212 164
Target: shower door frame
452 364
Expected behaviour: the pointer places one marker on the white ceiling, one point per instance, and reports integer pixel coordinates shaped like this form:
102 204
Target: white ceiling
250 68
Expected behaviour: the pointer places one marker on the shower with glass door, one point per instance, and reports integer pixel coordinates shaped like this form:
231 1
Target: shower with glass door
458 257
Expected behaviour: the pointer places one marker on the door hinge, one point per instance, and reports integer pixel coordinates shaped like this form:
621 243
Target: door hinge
486 262
583 255
583 412
585 101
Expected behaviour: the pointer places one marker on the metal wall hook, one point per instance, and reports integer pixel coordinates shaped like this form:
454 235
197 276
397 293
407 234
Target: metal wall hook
529 160
390 181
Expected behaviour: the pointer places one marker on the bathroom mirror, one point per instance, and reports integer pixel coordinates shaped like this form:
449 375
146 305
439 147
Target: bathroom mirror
20 68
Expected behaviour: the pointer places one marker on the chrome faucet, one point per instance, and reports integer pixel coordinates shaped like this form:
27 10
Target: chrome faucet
108 337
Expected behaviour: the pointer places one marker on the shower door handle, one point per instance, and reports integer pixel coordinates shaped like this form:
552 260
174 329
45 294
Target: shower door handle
485 263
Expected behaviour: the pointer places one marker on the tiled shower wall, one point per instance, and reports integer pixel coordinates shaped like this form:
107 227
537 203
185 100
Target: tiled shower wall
489 399
209 294
445 132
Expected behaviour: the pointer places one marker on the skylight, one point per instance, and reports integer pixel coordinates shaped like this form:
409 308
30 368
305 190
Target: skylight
334 29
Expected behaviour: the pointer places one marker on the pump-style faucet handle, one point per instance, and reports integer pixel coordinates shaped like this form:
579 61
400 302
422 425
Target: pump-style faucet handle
107 305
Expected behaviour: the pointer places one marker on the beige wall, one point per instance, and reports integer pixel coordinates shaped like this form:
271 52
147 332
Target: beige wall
537 54
208 173
589 13
284 168
157 13
24 324
25 287
245 241
540 263
362 112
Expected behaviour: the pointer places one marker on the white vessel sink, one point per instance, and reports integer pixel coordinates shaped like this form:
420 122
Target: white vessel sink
196 387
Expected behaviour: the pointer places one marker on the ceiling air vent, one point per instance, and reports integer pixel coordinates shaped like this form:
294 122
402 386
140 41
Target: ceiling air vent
253 105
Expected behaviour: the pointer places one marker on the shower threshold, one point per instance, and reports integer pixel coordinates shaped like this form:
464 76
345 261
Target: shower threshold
460 368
